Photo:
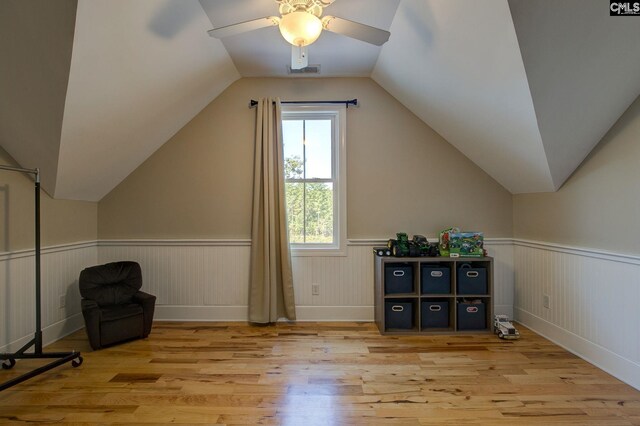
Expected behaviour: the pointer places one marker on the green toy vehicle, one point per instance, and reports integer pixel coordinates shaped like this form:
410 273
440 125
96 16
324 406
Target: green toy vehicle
400 246
417 246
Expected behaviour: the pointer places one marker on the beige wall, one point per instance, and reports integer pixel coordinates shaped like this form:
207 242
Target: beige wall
61 221
599 206
402 176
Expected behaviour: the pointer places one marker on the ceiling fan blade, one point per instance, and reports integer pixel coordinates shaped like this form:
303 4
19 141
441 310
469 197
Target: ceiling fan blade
243 27
356 30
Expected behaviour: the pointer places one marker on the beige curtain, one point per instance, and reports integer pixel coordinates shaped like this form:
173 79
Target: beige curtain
271 281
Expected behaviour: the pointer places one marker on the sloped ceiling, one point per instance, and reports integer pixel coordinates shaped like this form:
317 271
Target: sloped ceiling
457 66
33 80
140 71
583 68
524 88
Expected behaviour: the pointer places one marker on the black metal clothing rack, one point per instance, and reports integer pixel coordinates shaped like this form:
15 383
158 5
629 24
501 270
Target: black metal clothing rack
9 359
348 102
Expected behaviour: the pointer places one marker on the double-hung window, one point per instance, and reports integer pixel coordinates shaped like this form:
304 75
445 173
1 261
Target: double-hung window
315 178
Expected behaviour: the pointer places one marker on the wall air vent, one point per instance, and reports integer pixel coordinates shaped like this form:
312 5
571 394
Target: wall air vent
311 69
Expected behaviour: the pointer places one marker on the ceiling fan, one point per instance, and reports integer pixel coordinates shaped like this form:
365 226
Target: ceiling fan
302 23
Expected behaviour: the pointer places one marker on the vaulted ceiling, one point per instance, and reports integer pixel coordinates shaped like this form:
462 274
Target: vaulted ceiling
524 88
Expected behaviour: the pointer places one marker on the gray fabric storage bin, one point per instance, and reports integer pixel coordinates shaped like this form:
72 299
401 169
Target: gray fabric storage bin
471 316
472 280
398 278
435 279
398 315
434 314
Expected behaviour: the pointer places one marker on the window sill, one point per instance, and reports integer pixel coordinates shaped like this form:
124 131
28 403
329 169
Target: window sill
318 252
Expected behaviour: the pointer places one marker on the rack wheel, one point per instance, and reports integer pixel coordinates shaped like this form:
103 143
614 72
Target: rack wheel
8 364
77 362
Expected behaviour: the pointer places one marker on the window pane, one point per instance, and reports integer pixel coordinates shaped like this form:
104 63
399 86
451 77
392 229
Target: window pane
292 139
319 212
318 148
294 198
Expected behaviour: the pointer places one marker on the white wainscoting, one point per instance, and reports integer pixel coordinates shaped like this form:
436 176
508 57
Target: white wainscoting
594 303
208 279
198 280
61 266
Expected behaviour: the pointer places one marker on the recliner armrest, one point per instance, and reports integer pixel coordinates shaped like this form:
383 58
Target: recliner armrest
148 302
92 315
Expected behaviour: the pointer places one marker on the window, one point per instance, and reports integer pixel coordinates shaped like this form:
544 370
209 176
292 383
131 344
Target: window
315 178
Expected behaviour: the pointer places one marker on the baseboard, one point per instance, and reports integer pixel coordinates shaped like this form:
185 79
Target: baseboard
50 334
200 313
239 313
334 313
614 364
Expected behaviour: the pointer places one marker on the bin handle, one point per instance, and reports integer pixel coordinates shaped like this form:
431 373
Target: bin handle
472 274
435 308
472 309
465 265
397 308
398 273
436 273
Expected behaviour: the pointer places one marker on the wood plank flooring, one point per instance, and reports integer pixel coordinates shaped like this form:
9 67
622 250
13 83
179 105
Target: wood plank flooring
319 374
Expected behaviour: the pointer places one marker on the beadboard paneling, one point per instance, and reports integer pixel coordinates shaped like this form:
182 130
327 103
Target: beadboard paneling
593 308
189 275
503 275
61 266
200 280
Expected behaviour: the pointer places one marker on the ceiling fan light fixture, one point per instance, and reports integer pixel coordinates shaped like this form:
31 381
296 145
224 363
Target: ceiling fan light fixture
300 28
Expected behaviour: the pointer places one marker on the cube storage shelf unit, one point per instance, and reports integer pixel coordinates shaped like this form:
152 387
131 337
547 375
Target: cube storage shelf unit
433 295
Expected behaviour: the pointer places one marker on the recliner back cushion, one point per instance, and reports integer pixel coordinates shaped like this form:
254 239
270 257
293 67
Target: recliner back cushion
111 284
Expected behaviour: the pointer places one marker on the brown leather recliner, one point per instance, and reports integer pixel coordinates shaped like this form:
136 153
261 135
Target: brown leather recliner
114 308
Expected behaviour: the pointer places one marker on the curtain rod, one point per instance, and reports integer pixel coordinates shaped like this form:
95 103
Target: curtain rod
353 102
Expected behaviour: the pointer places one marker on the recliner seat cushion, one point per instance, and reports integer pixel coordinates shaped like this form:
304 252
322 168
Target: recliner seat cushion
126 328
120 312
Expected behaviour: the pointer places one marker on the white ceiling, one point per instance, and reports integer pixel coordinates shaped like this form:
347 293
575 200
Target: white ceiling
456 64
140 71
524 88
264 52
583 68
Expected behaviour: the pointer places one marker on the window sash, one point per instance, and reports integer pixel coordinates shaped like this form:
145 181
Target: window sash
337 116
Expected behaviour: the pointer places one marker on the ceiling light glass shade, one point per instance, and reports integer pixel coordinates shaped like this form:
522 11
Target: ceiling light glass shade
300 28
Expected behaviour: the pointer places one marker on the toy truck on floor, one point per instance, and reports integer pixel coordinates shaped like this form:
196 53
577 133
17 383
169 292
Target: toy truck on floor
504 328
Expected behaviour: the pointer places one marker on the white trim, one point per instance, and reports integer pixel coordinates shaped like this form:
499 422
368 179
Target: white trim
234 242
213 242
334 313
614 364
367 242
50 334
383 242
177 242
580 251
338 115
240 313
9 255
498 241
200 313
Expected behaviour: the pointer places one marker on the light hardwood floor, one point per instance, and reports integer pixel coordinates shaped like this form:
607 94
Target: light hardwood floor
319 374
